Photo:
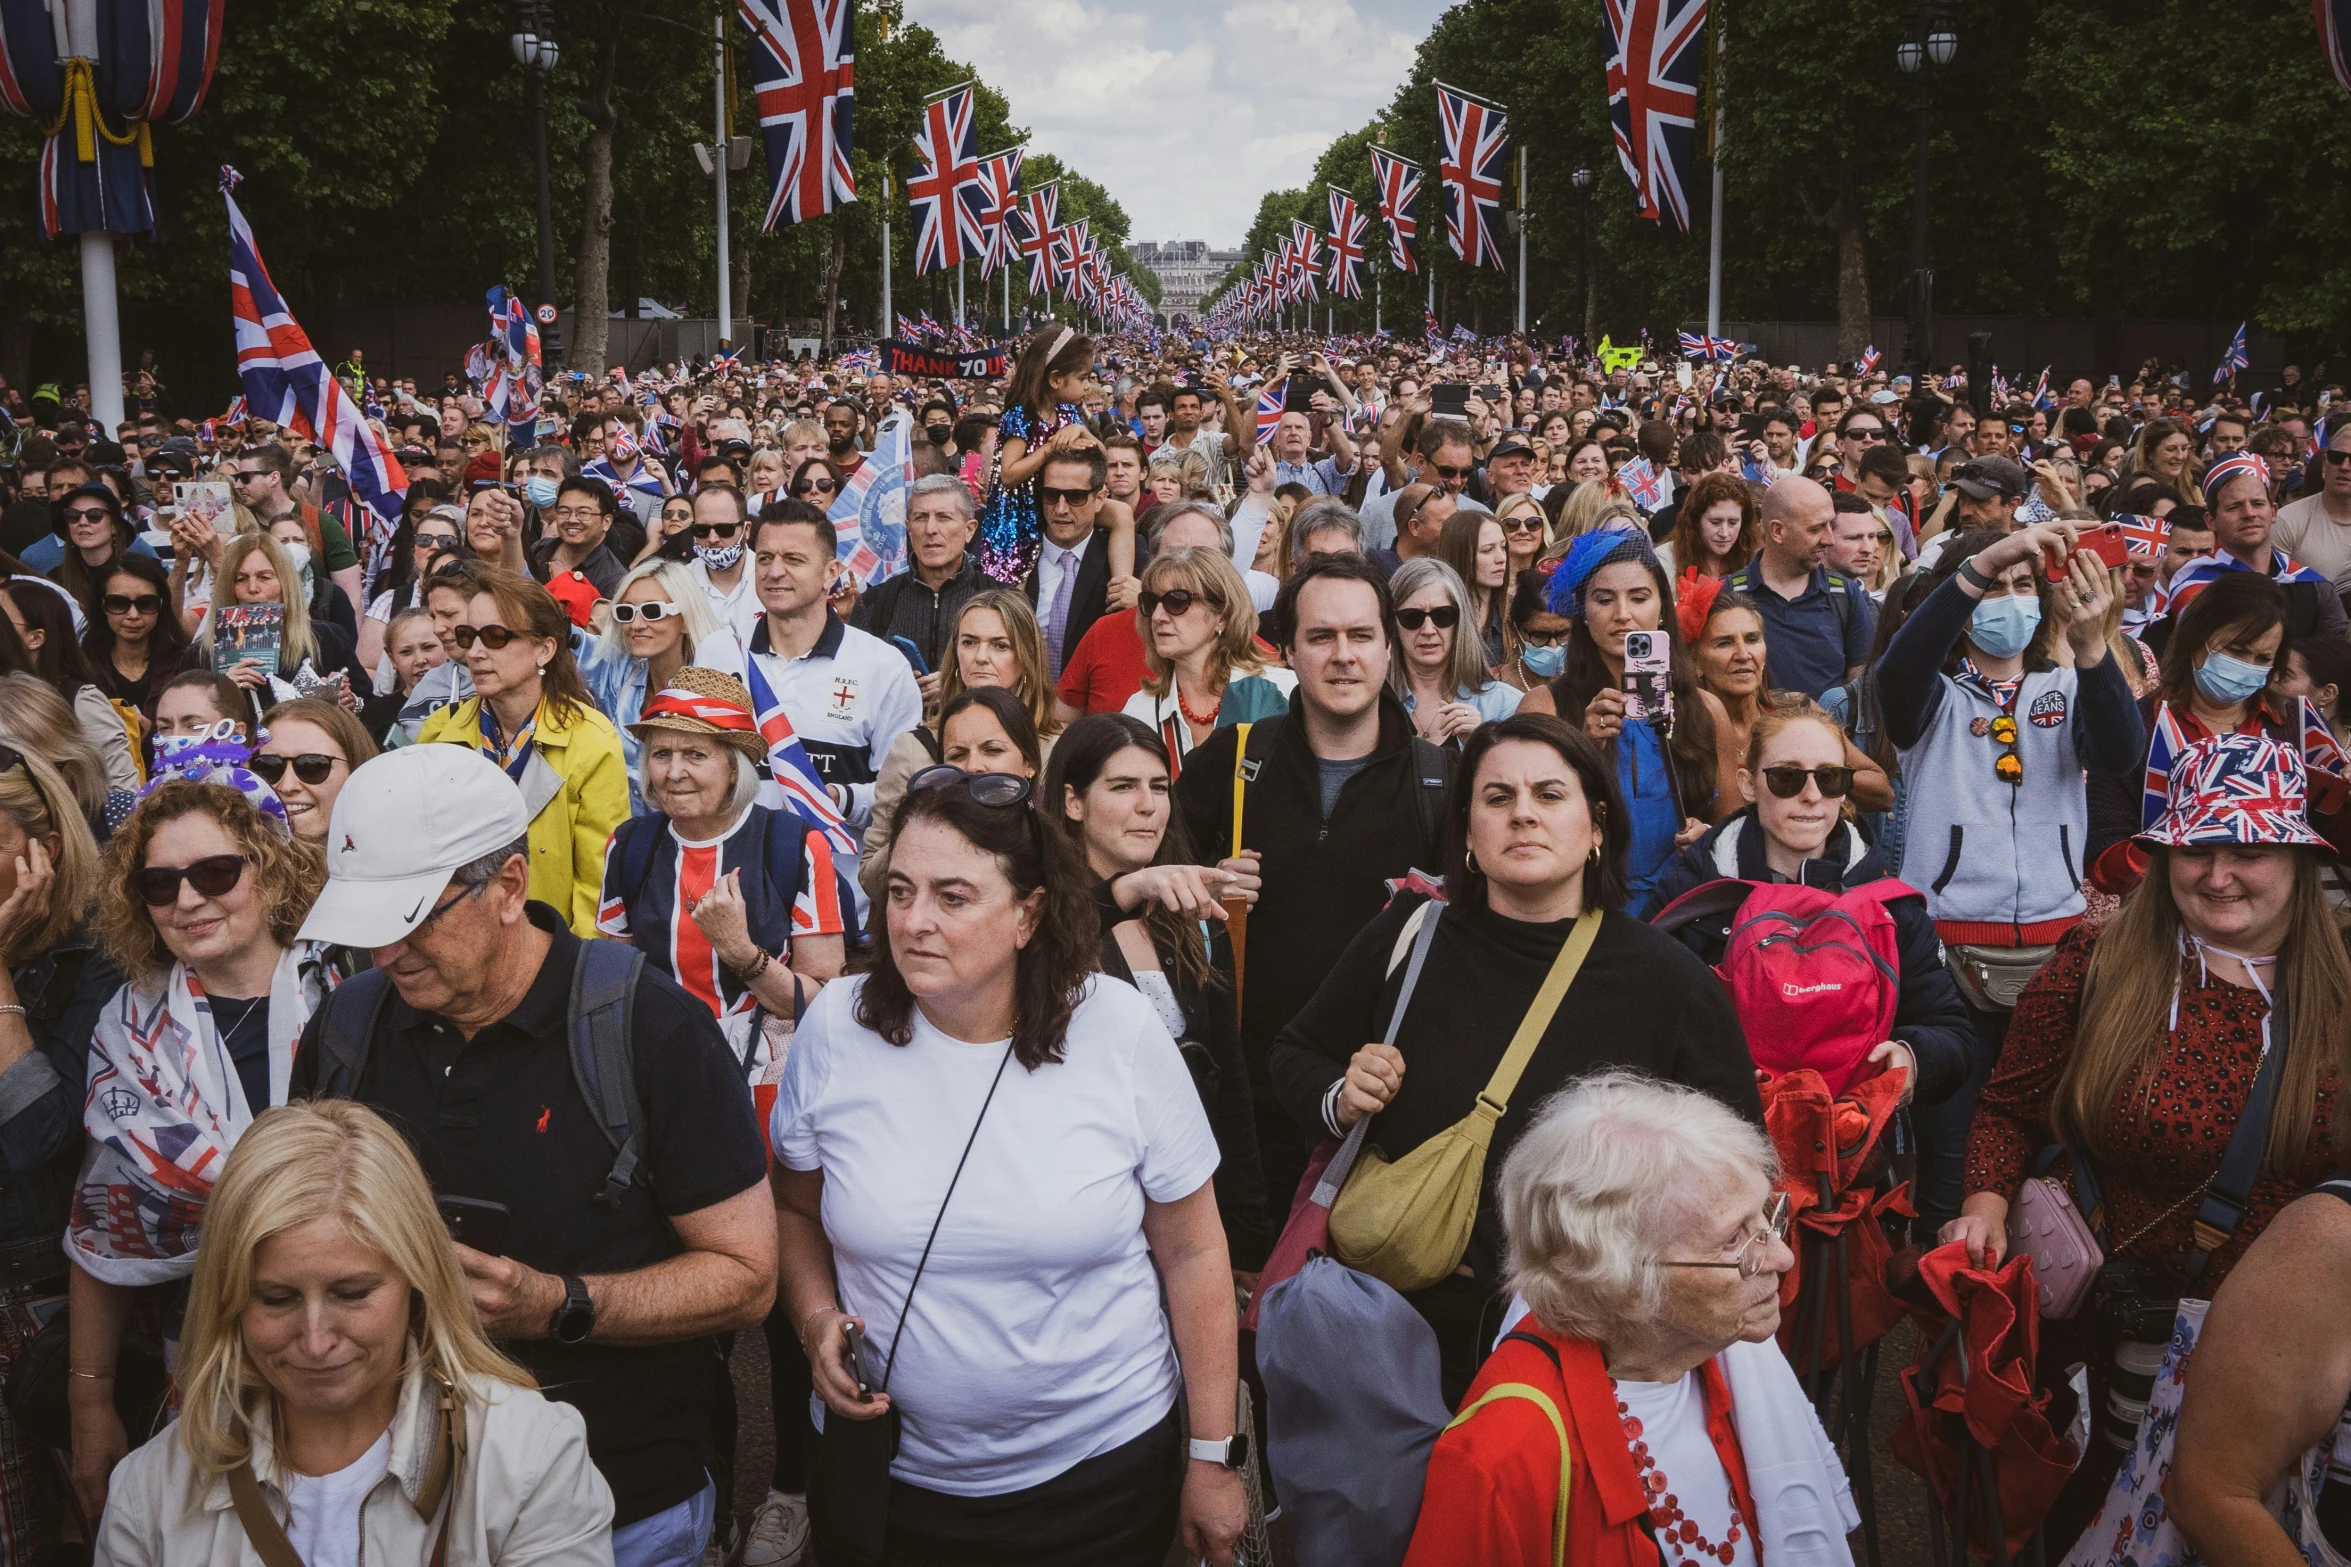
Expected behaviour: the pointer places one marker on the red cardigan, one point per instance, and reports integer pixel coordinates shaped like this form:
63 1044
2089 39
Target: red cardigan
1494 1480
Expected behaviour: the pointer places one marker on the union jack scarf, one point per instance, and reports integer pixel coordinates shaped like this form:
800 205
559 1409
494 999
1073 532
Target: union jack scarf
787 761
163 1109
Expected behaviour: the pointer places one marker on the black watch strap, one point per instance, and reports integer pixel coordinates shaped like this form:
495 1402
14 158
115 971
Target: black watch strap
576 1317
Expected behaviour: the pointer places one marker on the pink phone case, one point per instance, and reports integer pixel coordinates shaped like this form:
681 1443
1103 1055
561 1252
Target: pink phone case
2045 1226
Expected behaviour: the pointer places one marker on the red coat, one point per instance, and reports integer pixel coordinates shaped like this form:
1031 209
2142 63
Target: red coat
1494 1479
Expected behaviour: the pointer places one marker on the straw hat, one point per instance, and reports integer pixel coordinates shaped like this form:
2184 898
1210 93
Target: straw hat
704 702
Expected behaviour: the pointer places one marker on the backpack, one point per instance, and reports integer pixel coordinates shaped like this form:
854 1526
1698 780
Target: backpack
1430 765
1815 976
597 1023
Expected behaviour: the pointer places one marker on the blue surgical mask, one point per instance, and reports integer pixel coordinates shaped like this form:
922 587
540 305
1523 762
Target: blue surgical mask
1544 661
2004 626
540 491
2226 681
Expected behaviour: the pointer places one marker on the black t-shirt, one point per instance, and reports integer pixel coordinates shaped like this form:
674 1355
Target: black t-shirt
243 1025
500 1117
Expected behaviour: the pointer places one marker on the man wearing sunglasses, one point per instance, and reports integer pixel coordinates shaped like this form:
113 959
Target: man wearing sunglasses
1857 432
722 557
2316 530
612 1284
1442 456
1070 584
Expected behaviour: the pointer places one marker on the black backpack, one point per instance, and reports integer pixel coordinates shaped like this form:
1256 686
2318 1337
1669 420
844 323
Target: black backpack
597 1023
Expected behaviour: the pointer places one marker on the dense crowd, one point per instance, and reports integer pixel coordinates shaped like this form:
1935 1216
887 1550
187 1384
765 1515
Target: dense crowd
1428 944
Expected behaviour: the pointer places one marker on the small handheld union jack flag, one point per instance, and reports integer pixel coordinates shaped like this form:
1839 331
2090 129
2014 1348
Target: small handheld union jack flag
1868 363
1696 345
2234 361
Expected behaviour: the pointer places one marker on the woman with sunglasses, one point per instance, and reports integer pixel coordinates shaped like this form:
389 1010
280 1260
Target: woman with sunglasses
436 530
201 894
1442 678
134 636
658 619
308 748
815 482
1526 528
1795 774
1477 546
532 715
1202 671
985 1071
672 536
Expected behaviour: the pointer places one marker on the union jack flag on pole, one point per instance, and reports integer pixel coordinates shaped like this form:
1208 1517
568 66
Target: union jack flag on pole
1868 363
1306 257
803 75
947 196
1346 257
286 382
1696 345
1040 219
1476 138
2234 361
1000 209
1656 49
511 394
1399 182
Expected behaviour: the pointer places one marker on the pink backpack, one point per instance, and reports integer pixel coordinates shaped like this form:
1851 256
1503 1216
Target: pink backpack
1815 975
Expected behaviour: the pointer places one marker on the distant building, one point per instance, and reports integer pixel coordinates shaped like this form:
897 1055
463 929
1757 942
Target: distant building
1187 269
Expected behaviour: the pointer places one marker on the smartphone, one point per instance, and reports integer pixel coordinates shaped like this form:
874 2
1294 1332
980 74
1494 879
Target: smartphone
205 498
912 654
856 1358
1449 401
2106 543
1647 668
1297 394
475 1222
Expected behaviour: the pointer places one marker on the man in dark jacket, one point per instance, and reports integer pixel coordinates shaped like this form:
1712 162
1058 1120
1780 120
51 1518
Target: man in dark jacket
921 602
1337 799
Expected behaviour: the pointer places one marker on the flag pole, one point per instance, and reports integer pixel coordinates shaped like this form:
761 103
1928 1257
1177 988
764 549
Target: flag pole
1522 239
889 320
101 325
959 294
1714 237
718 97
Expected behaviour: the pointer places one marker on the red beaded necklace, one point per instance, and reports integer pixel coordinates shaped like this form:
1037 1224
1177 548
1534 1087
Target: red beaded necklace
1665 1509
1198 720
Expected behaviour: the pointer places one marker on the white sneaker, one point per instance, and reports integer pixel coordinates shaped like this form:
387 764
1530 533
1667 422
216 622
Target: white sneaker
779 1533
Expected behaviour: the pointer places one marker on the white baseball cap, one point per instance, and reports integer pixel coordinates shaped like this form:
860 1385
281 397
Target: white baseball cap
402 826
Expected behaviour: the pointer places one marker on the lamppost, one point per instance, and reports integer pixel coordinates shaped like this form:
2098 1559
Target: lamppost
533 42
1932 44
1581 179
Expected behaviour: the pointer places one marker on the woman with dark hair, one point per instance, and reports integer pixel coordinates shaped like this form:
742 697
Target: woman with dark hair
1726 639
96 535
429 530
44 625
2319 669
1610 585
816 482
1535 865
985 1086
134 636
1042 418
1540 635
1109 786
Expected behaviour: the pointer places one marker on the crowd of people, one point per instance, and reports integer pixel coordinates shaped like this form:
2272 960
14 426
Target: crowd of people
957 961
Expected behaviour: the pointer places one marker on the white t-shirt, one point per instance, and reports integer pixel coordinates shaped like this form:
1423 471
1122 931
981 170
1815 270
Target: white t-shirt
1037 1340
323 1521
1673 1423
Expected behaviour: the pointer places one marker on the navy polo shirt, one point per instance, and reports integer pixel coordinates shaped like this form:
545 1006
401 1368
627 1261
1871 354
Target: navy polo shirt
1810 640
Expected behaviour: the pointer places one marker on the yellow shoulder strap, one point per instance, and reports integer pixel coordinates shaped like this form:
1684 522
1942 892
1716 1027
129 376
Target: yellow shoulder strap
1538 1017
1542 1401
1240 780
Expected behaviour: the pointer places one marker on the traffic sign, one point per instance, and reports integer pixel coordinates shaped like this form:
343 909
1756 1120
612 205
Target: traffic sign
546 315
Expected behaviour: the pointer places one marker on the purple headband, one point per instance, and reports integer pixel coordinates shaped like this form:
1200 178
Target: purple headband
217 757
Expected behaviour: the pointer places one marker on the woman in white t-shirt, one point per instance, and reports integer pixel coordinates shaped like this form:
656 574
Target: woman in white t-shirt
984 1100
337 1394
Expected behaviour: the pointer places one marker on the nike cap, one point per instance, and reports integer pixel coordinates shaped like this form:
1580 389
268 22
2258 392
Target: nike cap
402 826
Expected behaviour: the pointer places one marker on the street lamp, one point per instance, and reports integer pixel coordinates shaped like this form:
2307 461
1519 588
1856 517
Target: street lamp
1932 45
535 50
1581 179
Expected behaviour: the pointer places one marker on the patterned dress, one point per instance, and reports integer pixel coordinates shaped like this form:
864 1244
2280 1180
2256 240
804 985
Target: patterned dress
1011 517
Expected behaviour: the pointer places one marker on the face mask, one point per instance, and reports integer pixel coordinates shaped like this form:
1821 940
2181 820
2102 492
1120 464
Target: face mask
1546 662
940 434
2226 681
719 558
540 492
298 557
2004 626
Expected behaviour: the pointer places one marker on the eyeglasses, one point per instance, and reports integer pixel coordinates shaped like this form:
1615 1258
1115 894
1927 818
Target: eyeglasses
247 475
494 638
1778 1213
1049 495
1445 617
717 530
158 886
1535 638
577 513
1522 524
312 767
997 789
815 487
425 924
133 604
622 614
1788 782
1177 600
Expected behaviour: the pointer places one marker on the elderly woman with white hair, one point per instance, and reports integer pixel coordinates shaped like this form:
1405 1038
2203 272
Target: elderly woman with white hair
1646 1246
1442 679
658 618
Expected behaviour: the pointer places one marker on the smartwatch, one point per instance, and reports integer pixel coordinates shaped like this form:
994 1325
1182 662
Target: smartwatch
576 1317
1231 1453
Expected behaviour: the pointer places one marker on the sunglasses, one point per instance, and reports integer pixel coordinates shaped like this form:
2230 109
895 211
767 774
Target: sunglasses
717 530
247 476
1177 601
1873 433
1522 524
492 637
997 789
1049 495
1447 471
1444 616
158 886
2336 459
622 614
133 604
436 541
1788 782
814 487
312 767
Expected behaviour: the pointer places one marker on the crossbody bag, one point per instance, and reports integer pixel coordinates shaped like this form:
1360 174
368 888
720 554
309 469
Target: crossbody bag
440 1485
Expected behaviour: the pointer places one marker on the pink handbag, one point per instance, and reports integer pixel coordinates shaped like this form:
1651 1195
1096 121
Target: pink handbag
2044 1225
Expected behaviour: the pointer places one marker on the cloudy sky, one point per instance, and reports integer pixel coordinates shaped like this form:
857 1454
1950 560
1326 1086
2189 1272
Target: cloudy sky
1187 110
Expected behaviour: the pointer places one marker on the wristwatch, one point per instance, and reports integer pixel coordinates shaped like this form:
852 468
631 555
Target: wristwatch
1231 1453
576 1317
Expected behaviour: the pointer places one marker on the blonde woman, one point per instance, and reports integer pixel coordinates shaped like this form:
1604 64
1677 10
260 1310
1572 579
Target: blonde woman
655 626
995 641
255 572
338 1399
1199 632
1177 475
1592 506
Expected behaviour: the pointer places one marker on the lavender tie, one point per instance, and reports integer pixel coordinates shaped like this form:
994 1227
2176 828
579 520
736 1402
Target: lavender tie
1057 618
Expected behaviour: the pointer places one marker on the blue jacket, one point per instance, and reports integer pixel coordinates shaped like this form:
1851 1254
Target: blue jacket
1929 1017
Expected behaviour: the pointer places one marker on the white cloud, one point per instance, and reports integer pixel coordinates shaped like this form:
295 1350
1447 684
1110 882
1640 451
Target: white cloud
1187 111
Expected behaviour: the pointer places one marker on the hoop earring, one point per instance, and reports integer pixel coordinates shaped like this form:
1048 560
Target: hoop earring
1469 862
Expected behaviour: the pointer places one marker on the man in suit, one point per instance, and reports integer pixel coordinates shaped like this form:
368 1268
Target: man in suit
1071 583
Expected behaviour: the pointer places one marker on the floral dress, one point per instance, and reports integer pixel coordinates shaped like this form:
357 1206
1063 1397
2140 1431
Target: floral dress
1011 516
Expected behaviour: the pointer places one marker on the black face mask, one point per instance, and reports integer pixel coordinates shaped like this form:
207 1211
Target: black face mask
940 434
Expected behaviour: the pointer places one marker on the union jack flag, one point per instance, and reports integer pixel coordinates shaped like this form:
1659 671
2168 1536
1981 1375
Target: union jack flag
2042 396
1062 256
1654 56
2334 24
999 209
511 391
789 764
948 195
2142 536
803 74
1436 328
1868 363
1697 345
2234 360
287 383
1269 409
1306 259
1346 258
1040 217
1639 479
1399 182
1470 171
